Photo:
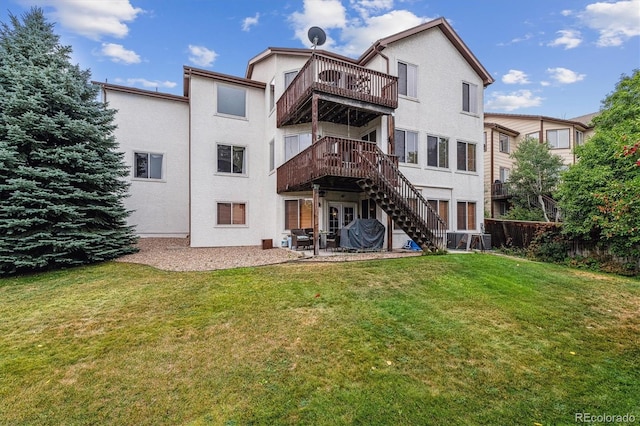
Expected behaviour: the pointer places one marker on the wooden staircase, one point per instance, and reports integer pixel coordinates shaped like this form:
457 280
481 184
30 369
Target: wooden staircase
409 210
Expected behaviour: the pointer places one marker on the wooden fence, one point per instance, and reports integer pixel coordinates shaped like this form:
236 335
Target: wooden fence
516 233
520 234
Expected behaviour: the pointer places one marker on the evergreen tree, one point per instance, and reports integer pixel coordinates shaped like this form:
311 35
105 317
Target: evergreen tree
61 178
600 194
535 175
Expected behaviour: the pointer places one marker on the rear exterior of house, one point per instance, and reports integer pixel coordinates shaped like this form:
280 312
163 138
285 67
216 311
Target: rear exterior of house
503 133
311 139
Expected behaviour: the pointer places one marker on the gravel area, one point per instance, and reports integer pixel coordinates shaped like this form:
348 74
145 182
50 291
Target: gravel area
174 254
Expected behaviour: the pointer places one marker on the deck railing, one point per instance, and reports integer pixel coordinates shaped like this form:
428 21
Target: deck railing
499 190
400 192
330 156
339 78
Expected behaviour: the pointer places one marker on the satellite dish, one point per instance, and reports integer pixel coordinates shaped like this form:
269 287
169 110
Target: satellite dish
317 36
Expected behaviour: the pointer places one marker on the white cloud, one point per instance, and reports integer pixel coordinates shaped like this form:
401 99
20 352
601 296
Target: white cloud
366 7
202 56
568 38
564 75
515 77
566 12
326 14
499 101
357 32
249 22
146 83
118 53
92 19
616 22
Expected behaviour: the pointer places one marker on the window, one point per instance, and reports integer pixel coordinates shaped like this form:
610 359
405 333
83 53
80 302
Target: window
272 95
407 80
298 213
504 174
504 143
147 165
470 98
371 136
579 138
272 155
288 77
368 208
231 159
442 208
467 156
437 151
558 138
232 214
232 101
485 142
295 144
406 146
466 216
534 135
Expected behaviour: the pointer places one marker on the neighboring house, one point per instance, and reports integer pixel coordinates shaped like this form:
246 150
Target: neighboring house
311 139
503 133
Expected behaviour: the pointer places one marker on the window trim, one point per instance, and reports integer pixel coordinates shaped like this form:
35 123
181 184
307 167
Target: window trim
405 154
245 163
284 77
471 98
438 151
298 200
475 159
447 220
297 135
226 114
232 225
411 80
148 179
508 141
466 216
564 129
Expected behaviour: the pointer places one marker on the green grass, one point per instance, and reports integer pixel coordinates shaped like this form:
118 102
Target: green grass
456 339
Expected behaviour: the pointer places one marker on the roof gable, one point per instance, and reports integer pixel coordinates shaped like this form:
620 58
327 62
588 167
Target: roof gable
447 30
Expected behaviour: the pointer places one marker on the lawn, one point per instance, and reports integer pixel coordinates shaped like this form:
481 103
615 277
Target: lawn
456 339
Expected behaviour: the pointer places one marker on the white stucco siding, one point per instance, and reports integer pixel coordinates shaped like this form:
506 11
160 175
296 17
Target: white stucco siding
437 111
210 187
158 126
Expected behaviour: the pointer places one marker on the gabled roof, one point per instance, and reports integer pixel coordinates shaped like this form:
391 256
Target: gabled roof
135 91
291 51
501 128
447 30
379 45
488 115
586 119
189 71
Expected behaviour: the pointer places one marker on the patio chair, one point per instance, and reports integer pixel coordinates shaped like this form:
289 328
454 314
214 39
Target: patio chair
333 242
299 238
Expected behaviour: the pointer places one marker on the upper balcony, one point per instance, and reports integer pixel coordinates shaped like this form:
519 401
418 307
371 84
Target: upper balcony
500 191
347 93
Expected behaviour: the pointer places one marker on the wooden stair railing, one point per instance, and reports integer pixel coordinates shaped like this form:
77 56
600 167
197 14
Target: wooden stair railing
392 191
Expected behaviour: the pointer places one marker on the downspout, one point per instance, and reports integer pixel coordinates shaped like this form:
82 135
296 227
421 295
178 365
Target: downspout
189 162
385 57
492 175
542 131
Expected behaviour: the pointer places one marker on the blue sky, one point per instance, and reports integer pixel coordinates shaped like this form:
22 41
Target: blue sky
557 58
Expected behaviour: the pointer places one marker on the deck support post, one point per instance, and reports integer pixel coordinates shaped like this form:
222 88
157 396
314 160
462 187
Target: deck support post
316 228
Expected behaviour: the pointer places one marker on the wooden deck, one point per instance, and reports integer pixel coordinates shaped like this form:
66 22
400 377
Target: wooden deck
348 93
332 161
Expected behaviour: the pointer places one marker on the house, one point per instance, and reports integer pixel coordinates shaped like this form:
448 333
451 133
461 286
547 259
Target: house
503 133
311 139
